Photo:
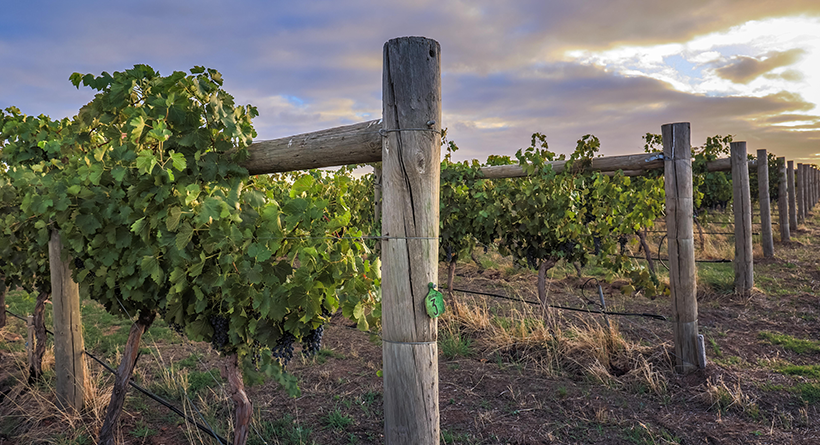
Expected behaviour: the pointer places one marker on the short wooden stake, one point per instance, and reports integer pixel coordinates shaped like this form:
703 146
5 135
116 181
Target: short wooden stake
69 364
677 154
766 237
792 197
742 205
411 171
783 202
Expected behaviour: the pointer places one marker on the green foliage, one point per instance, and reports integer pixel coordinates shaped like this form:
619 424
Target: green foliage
146 190
575 215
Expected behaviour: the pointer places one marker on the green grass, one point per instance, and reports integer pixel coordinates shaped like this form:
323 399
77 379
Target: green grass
797 345
337 420
197 381
717 276
810 392
453 344
284 431
810 371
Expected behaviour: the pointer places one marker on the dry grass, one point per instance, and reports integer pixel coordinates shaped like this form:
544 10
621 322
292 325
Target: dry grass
579 347
39 419
725 397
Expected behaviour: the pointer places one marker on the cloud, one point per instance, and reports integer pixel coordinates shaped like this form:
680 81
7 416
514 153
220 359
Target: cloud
566 101
743 69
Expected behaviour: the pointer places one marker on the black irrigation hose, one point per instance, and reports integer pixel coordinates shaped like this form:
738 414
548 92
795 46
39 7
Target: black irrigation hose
660 260
667 259
151 395
705 233
655 316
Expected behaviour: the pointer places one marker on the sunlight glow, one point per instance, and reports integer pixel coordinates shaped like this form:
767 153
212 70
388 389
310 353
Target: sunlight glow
756 59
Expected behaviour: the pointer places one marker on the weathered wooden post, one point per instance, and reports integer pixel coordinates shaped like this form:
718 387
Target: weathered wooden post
677 157
411 167
766 237
69 364
377 199
783 202
792 197
801 193
742 206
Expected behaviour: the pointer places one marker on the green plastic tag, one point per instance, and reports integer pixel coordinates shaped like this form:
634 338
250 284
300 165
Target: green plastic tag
434 302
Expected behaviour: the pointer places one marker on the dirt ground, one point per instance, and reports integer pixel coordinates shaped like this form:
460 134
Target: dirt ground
755 389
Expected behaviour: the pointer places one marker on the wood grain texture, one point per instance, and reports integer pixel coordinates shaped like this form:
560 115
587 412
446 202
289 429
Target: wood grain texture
410 190
801 193
242 404
124 371
742 205
725 164
764 200
677 154
783 202
38 325
69 363
792 197
632 165
359 143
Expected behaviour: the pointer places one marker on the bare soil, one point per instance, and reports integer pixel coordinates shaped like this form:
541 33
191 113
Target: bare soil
494 394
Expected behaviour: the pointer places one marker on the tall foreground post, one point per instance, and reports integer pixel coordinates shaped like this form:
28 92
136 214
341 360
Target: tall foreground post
792 197
783 202
677 156
411 149
742 205
69 365
766 237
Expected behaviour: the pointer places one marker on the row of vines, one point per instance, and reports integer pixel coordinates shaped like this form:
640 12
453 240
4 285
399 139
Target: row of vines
159 219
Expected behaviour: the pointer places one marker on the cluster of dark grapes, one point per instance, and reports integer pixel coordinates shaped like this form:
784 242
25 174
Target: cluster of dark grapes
596 240
312 343
284 348
220 337
257 354
622 242
79 264
177 328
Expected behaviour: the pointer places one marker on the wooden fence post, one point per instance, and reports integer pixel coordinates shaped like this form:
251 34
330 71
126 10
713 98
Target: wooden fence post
766 237
677 154
69 365
742 205
377 199
411 175
783 202
801 193
792 197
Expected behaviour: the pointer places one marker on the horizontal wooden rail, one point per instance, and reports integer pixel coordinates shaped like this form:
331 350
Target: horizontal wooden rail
725 164
361 143
351 144
643 161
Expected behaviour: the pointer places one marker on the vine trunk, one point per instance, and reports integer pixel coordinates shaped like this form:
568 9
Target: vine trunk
124 371
244 407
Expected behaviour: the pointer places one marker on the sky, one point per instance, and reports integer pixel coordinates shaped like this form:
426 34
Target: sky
613 68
